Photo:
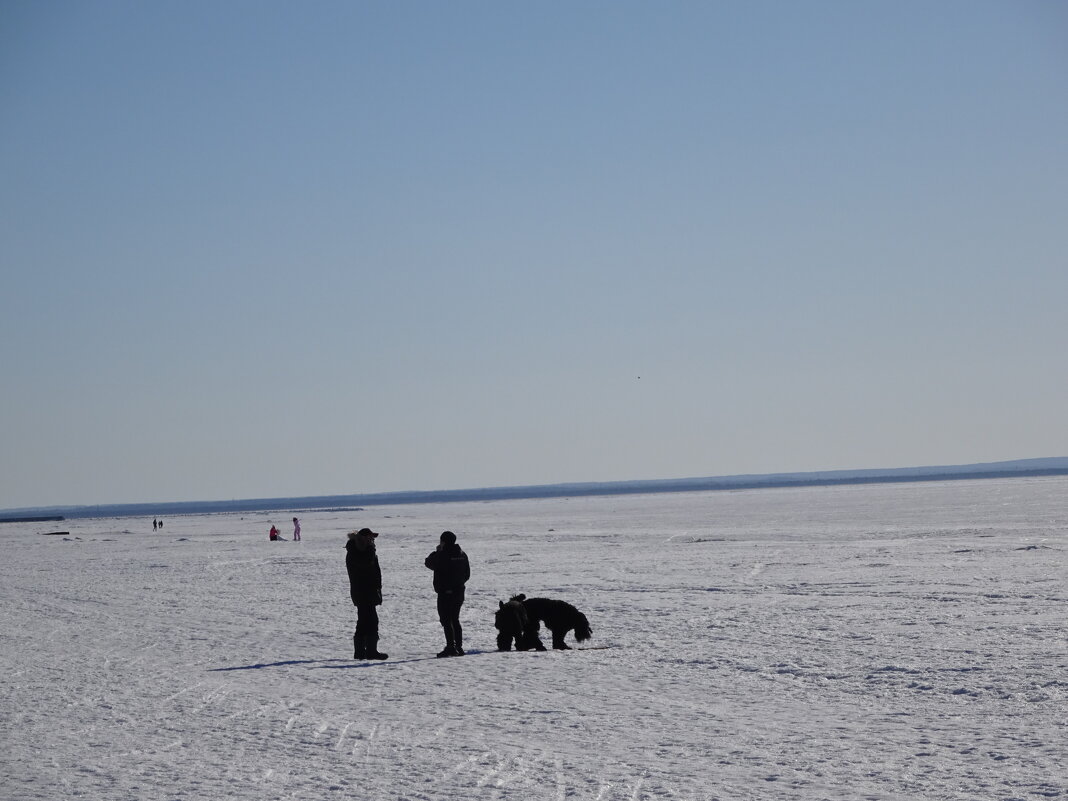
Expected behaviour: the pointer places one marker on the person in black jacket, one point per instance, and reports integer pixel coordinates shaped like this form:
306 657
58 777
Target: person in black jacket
365 587
451 572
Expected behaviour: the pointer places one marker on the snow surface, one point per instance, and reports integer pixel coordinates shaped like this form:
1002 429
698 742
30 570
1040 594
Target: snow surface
894 641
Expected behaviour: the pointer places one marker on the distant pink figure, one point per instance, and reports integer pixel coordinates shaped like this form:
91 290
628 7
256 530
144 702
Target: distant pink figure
296 530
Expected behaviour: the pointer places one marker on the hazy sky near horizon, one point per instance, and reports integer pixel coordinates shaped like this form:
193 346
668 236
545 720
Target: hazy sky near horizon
257 249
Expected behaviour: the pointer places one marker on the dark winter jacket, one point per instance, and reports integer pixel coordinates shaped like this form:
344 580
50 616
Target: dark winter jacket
365 576
450 566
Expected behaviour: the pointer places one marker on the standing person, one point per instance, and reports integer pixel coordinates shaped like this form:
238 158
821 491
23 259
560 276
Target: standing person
296 530
451 572
365 587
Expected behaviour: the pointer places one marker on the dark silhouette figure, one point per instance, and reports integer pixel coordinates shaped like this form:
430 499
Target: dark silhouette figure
365 588
451 572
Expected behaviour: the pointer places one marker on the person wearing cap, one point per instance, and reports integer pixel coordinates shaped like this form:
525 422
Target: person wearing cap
365 587
451 572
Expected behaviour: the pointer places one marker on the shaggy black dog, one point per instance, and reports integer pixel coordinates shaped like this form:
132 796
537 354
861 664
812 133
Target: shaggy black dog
519 618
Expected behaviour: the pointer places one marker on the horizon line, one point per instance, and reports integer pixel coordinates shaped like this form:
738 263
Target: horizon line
1057 465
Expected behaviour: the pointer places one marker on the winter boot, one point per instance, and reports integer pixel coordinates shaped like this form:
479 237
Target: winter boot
371 646
359 648
450 642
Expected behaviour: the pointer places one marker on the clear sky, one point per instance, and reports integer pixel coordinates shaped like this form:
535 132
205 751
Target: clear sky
253 249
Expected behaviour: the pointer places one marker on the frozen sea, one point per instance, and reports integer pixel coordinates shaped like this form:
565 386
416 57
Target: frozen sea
891 641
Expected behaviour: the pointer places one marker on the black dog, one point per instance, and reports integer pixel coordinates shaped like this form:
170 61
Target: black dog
518 620
511 620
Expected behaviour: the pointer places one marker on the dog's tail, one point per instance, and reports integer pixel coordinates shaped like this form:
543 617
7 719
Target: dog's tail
583 631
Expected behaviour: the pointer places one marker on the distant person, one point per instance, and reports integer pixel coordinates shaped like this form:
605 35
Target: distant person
161 522
451 572
296 530
365 588
153 524
273 533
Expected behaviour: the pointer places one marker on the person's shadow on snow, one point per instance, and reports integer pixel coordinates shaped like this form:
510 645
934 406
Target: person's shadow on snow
388 662
348 664
263 665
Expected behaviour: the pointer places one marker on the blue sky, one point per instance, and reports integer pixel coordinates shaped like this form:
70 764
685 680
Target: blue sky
256 249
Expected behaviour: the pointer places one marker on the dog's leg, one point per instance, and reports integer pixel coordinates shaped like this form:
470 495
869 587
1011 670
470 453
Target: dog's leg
558 641
532 638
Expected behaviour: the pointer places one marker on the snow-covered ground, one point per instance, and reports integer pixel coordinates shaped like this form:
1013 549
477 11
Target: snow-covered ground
901 641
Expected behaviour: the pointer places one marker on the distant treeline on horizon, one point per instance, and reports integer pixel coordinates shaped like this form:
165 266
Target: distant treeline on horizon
1022 468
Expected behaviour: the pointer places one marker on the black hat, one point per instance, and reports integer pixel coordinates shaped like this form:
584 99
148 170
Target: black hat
367 532
448 537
